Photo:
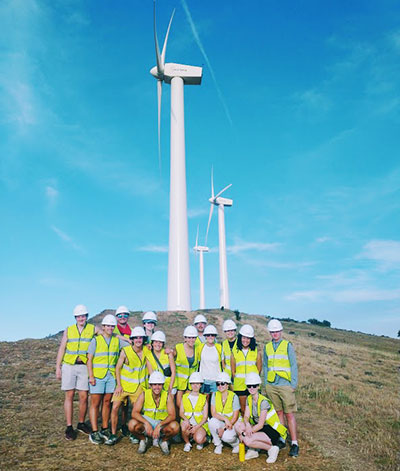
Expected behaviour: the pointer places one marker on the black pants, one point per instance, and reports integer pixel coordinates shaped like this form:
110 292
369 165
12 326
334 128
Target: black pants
272 434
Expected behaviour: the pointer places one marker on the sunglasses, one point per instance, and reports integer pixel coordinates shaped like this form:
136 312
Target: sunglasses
219 383
209 335
157 384
252 386
122 315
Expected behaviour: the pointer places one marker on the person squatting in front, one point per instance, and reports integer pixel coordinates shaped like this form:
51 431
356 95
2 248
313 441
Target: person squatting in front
225 410
153 416
261 427
194 414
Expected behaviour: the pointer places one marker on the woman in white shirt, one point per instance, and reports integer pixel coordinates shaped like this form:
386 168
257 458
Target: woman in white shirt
209 356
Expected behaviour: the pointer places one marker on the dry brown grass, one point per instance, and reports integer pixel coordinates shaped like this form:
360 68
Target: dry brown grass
348 406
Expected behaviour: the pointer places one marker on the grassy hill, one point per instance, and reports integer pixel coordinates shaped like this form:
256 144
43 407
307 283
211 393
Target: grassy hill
348 400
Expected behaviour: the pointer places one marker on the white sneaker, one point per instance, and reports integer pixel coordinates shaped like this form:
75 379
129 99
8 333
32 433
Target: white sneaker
273 453
250 454
164 447
142 446
218 450
199 447
187 447
133 440
235 449
155 442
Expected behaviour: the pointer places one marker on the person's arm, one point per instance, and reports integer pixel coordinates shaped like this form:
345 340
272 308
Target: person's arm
120 362
182 412
261 421
293 366
246 420
149 367
92 379
235 417
173 371
61 353
233 365
259 362
265 364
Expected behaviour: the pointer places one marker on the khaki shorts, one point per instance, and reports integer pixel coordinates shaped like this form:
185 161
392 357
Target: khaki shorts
282 397
123 397
74 377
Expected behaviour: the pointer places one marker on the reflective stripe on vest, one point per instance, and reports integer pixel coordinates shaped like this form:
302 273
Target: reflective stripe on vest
150 408
271 419
164 360
105 356
227 355
197 411
135 372
183 370
227 409
218 346
78 343
244 365
278 361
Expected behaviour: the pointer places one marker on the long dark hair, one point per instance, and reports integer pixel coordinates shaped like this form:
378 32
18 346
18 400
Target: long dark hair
252 346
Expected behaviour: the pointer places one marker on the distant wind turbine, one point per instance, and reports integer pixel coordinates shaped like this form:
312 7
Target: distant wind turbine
223 268
200 249
177 75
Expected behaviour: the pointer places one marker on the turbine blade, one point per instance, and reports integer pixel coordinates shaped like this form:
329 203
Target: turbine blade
220 193
159 93
197 235
160 66
209 220
212 182
164 49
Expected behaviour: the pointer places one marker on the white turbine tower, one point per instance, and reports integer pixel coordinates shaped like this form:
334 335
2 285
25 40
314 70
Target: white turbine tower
223 268
177 75
200 249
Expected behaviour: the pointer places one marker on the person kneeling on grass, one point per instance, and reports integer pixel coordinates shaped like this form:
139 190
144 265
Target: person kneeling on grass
261 427
225 408
153 415
194 413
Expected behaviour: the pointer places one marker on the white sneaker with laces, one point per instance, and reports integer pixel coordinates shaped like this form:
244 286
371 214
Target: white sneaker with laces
199 447
218 450
164 447
235 449
155 442
142 446
187 447
250 454
273 453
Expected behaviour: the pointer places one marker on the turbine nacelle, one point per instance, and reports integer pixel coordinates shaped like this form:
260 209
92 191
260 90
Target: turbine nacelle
220 200
190 74
200 248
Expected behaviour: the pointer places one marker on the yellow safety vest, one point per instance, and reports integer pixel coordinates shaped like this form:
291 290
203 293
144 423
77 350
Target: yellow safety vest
227 409
198 342
183 371
197 411
272 418
278 361
244 365
116 331
77 343
218 346
150 408
227 355
164 360
105 356
135 372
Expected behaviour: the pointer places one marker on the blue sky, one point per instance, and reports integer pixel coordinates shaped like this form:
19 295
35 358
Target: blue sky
298 109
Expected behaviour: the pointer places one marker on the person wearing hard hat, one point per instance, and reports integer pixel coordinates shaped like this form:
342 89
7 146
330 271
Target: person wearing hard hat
185 361
194 414
200 323
103 354
261 427
229 327
71 368
122 329
225 409
209 357
158 360
280 375
131 373
245 359
149 320
153 415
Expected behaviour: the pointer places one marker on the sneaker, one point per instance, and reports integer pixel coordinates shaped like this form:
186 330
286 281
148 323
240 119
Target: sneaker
187 447
125 430
250 454
134 440
111 440
281 444
96 438
164 447
82 427
273 453
200 446
142 446
218 450
105 433
155 442
235 449
70 433
294 451
177 438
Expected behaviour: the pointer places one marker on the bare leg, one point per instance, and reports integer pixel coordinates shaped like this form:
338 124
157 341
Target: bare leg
170 430
242 401
95 401
136 428
200 436
105 411
258 440
291 421
83 403
185 432
68 405
114 416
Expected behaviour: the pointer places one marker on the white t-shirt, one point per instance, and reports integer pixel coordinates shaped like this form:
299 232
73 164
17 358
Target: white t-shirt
210 365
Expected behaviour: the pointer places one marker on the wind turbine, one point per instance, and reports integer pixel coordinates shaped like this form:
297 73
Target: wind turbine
223 268
177 75
200 249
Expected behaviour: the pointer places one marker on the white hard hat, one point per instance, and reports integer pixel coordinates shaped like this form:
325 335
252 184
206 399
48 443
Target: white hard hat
253 378
247 331
138 332
80 310
160 336
150 316
229 325
200 318
196 378
122 310
190 331
274 325
156 378
210 329
224 378
109 319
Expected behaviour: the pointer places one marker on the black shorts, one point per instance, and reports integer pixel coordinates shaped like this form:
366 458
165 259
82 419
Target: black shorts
242 393
272 433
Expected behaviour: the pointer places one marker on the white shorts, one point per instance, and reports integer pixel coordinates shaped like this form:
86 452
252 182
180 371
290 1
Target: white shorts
74 377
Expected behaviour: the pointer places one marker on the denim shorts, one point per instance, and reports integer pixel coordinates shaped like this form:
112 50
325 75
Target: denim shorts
152 422
208 386
105 385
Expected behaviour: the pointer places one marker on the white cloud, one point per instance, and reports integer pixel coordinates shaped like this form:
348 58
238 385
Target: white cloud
385 252
321 240
154 248
66 238
242 246
345 296
196 212
308 295
51 194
